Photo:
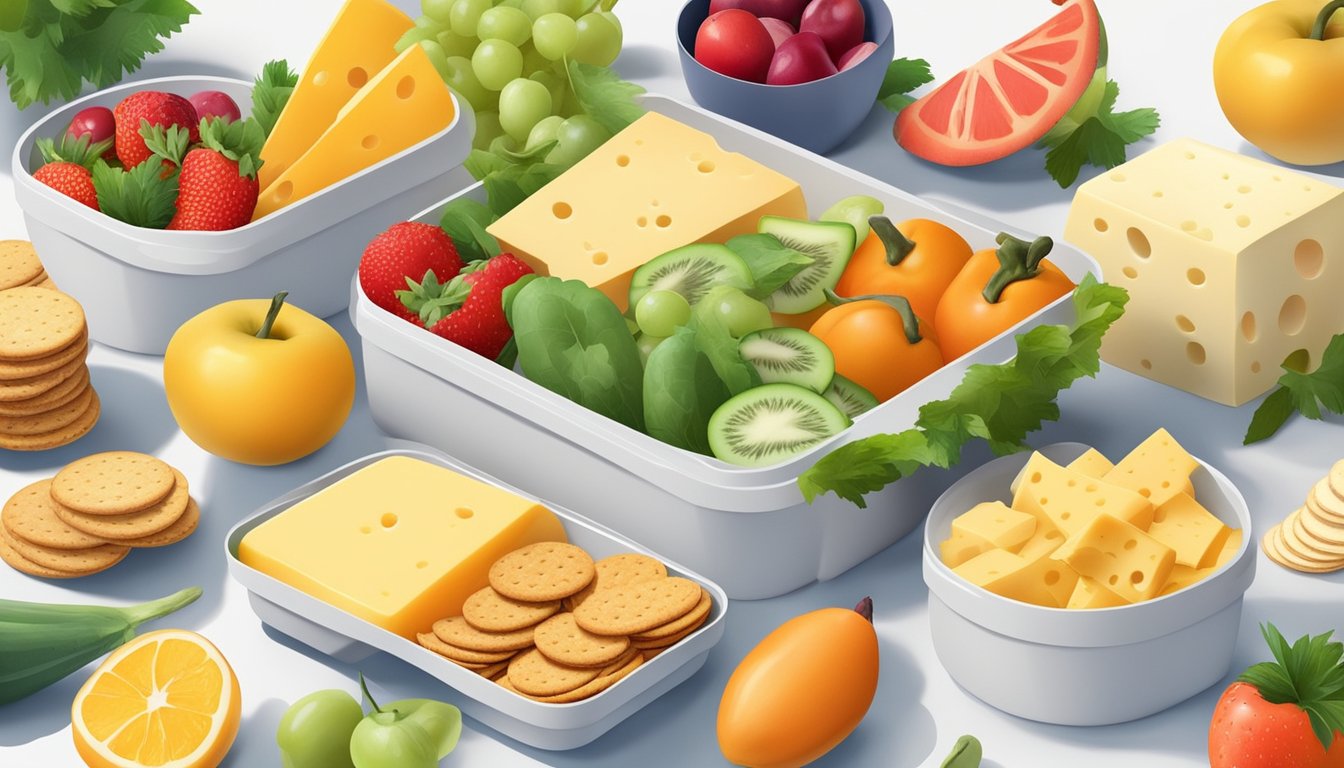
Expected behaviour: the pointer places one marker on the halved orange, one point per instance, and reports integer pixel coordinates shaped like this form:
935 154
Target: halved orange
166 699
1009 99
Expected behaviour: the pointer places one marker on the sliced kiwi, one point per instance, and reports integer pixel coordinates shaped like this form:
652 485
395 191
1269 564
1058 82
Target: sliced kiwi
771 423
691 270
829 243
849 397
789 356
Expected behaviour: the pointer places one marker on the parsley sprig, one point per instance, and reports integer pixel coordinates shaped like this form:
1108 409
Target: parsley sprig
903 76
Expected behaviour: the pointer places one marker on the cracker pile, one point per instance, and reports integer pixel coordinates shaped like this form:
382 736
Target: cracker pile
46 400
20 266
556 627
89 516
1311 539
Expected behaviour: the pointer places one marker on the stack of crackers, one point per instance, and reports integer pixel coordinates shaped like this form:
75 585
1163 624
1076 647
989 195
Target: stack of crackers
20 266
555 627
46 400
89 516
1311 539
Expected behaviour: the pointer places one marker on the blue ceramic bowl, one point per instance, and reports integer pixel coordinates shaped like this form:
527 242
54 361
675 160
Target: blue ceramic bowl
816 115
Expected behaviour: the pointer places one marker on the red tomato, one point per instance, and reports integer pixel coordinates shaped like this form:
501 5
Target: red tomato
1249 732
736 44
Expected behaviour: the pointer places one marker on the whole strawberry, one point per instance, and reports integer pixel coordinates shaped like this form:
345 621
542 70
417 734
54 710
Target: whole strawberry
400 256
155 108
217 189
469 309
69 167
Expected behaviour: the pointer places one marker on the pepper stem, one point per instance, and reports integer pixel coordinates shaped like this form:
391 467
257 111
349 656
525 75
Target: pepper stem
897 244
364 688
1323 19
1018 260
157 609
865 609
898 303
277 302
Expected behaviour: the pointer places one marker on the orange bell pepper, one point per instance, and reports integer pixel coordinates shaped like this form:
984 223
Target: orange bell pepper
916 259
878 343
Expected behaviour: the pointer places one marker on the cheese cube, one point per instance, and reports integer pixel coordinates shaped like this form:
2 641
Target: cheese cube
1183 576
1093 463
1088 593
1043 581
401 543
1188 528
1044 541
990 525
655 186
1230 262
1157 469
1071 500
1121 557
1229 549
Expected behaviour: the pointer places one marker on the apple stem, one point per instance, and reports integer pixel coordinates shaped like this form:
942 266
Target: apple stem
364 688
865 608
1323 20
276 303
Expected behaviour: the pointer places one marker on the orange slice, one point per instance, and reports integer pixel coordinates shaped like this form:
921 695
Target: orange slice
166 699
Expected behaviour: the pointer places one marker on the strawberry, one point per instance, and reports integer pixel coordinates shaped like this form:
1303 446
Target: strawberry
469 309
68 169
217 189
155 108
397 257
1288 713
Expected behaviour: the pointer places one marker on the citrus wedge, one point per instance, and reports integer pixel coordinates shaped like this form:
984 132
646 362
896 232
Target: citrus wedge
166 699
1009 99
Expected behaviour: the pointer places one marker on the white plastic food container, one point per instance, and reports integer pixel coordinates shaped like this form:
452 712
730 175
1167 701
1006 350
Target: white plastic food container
1084 667
747 528
347 638
138 285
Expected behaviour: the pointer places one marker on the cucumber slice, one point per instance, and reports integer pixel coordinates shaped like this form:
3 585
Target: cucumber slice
691 270
771 423
829 243
849 397
789 356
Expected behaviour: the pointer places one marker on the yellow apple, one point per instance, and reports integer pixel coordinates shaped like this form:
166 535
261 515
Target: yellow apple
259 386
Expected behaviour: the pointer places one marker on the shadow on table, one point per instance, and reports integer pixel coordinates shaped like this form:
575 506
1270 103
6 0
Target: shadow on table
255 752
645 62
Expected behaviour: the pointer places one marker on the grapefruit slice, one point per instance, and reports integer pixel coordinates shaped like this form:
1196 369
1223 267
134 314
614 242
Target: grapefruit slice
1009 99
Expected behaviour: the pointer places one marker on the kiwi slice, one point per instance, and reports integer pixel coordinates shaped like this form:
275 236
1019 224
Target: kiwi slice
849 397
770 423
691 270
789 356
829 243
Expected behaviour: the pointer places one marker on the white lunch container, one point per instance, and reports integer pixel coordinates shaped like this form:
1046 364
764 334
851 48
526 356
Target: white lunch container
747 528
347 638
1084 667
138 285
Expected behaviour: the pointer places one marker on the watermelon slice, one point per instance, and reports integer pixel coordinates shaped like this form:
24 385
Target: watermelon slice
1011 98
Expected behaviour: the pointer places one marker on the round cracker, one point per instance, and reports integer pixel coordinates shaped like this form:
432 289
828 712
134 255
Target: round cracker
564 642
41 278
89 560
47 285
30 514
61 437
1336 479
184 527
61 416
461 655
637 608
494 671
60 394
19 264
666 642
691 620
38 322
116 483
534 674
488 610
598 685
548 570
617 571
1320 536
27 369
1270 544
22 564
1326 499
1291 546
456 631
13 390
135 525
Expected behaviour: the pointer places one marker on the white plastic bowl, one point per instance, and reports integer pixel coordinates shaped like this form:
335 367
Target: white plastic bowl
138 285
1084 667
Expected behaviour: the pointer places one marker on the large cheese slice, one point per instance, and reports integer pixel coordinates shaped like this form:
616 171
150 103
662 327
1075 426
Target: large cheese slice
1092 463
400 107
1191 530
986 526
1232 266
1120 557
1071 500
1043 581
655 186
357 46
400 543
1157 469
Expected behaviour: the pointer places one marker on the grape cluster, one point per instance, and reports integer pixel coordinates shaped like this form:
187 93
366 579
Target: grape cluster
508 59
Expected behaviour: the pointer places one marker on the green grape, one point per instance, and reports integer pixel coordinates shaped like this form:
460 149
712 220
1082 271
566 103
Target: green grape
438 10
454 44
462 78
660 313
436 57
487 130
425 22
599 39
496 62
578 136
510 4
538 8
533 61
557 87
646 344
508 24
543 132
555 35
522 104
465 14
741 313
413 35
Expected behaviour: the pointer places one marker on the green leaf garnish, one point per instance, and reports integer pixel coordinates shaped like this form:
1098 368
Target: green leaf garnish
903 76
1307 673
1310 394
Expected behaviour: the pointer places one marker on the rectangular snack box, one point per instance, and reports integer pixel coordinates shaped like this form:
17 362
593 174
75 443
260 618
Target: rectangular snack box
163 278
340 634
699 510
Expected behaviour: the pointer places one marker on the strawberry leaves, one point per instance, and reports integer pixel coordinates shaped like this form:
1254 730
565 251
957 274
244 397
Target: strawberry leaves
169 143
271 92
238 140
1310 394
1307 673
73 150
431 301
141 197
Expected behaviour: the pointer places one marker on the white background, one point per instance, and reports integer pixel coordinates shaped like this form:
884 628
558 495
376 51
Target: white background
1161 53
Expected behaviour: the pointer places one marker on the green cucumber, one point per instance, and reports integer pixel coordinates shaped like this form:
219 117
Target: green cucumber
691 270
789 356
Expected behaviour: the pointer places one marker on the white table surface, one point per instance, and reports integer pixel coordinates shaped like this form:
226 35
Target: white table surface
1161 53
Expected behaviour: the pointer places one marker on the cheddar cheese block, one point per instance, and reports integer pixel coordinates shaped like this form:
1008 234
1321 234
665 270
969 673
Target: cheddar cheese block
1120 557
1157 469
1044 581
1092 463
991 525
1089 593
1071 500
400 543
1190 530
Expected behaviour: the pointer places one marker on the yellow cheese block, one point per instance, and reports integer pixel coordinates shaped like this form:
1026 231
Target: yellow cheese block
1157 469
1088 593
358 45
1120 557
997 523
1191 530
655 186
1071 500
1229 550
400 107
1044 541
1183 576
400 543
1043 581
1093 463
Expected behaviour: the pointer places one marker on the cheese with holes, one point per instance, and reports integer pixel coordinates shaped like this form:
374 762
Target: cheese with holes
1181 577
1093 463
1043 581
991 525
1120 557
1071 499
1044 541
1231 546
400 107
1191 530
357 46
400 543
1233 265
1089 593
653 187
1157 469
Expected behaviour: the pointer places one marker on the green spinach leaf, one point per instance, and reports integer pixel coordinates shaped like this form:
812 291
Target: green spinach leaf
771 262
